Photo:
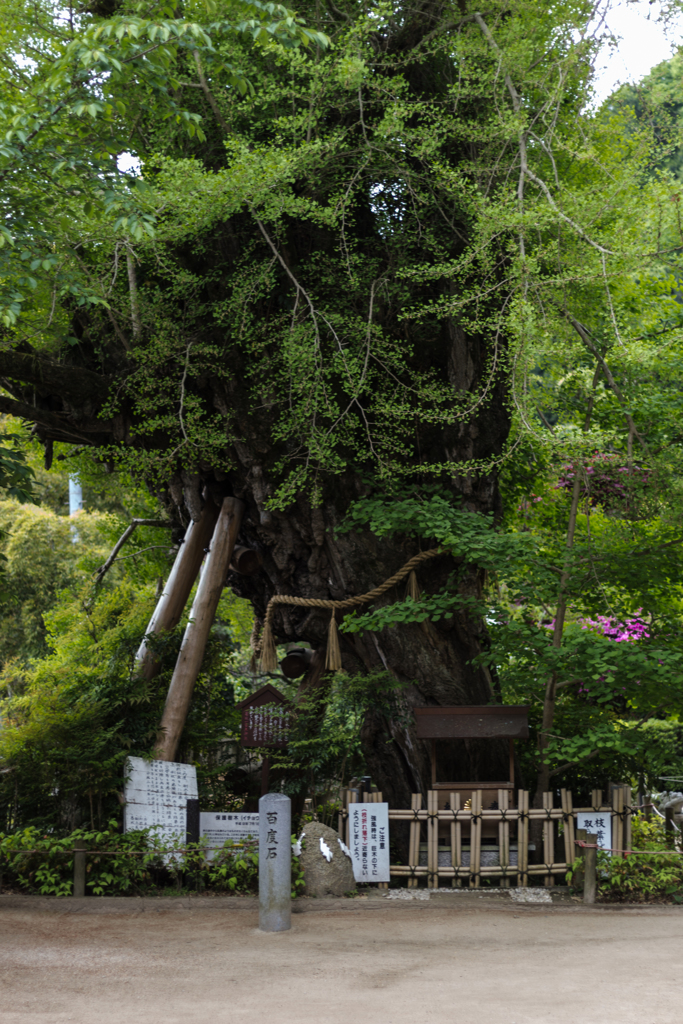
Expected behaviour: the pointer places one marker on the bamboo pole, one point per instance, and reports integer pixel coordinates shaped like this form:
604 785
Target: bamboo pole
567 807
171 604
414 839
378 800
548 837
504 839
433 839
523 838
196 634
456 840
618 819
351 798
475 839
628 798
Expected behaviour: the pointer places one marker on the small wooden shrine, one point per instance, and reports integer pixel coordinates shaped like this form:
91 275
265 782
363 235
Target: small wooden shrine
490 722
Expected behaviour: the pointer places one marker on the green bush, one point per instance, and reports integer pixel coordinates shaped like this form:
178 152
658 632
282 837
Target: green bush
136 863
653 874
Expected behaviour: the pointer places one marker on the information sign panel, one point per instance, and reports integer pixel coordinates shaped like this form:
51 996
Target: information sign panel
369 832
217 827
156 794
598 823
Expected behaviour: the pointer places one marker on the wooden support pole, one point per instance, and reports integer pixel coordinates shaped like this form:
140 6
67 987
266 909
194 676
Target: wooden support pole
201 619
171 604
79 868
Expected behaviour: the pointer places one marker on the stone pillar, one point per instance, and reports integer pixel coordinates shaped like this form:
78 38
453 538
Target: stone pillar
275 863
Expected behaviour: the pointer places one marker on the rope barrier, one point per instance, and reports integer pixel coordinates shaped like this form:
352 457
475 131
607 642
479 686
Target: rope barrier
333 657
628 853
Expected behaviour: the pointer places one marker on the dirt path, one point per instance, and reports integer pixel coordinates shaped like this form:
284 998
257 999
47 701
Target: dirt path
449 960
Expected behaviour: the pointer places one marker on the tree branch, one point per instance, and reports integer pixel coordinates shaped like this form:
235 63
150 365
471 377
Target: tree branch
592 347
70 382
127 533
24 411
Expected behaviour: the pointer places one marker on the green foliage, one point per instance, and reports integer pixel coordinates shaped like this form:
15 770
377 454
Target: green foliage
324 749
640 878
135 863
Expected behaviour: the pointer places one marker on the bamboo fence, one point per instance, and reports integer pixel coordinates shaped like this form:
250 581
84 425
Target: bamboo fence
559 827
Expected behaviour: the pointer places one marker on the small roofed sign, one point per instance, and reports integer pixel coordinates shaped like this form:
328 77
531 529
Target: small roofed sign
369 840
266 718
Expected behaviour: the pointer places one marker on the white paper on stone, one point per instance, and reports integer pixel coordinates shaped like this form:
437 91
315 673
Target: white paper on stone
343 847
598 823
156 795
325 850
218 827
369 841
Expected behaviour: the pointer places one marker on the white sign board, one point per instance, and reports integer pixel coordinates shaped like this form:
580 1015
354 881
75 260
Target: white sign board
156 794
598 823
369 841
217 828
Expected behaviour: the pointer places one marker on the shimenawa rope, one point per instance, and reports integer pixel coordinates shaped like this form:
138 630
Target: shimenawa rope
333 656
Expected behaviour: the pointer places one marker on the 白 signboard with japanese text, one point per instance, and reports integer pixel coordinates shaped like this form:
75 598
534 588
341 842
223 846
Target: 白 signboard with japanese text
597 823
369 841
156 795
217 827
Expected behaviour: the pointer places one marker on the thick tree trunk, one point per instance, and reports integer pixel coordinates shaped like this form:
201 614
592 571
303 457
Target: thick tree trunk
303 556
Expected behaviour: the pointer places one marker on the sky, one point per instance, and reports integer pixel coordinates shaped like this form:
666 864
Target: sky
644 43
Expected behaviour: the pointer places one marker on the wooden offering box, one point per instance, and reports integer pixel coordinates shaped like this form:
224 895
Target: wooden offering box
502 721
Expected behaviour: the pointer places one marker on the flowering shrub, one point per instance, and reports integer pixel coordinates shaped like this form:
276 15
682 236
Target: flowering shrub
606 482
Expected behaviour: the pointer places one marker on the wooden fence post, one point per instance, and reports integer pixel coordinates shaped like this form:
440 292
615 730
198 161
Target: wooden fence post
171 604
201 619
79 868
590 868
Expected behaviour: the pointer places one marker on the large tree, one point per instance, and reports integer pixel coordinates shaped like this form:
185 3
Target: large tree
318 285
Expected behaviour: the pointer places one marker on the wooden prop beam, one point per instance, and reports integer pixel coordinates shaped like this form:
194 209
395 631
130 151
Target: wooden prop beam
171 604
197 632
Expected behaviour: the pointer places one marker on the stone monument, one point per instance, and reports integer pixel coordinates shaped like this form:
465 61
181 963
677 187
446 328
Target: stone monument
275 863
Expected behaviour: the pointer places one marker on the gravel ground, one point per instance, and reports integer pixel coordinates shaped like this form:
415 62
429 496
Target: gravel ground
457 959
